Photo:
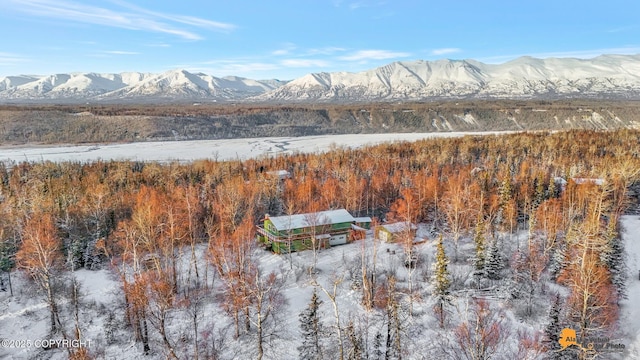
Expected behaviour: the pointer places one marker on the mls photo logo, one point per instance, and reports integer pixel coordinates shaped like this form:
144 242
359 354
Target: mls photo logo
594 346
568 338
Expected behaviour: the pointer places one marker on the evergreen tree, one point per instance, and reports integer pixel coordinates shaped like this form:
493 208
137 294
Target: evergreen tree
520 278
553 328
7 263
504 195
558 259
378 354
441 281
505 191
552 333
613 258
540 192
479 259
552 191
495 262
311 329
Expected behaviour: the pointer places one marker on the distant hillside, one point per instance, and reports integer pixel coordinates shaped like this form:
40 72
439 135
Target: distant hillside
120 123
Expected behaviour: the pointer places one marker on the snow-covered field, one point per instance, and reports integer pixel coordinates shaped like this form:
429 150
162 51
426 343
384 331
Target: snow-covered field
227 149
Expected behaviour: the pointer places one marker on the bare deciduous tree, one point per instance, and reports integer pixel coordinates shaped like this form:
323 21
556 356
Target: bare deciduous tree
40 256
481 332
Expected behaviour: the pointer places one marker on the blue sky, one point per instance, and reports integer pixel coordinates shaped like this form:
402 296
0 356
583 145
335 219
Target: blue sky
285 39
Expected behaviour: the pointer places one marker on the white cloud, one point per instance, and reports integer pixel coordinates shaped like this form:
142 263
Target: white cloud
622 29
135 19
366 4
8 59
187 20
285 50
581 54
373 55
302 63
121 52
203 23
445 51
159 45
238 67
330 50
631 50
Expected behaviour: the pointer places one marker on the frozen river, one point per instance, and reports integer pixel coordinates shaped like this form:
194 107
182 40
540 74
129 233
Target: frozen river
207 149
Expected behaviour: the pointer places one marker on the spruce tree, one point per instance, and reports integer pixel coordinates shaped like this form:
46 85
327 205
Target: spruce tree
539 195
552 191
505 191
311 329
613 258
7 263
495 262
553 328
479 259
441 281
552 334
558 259
378 354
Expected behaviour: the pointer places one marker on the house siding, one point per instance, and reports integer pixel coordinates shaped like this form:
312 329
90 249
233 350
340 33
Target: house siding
300 238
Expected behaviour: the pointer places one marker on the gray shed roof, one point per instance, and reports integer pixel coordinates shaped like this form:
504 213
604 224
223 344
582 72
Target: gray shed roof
399 227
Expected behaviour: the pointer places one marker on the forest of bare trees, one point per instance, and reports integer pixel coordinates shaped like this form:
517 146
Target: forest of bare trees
565 190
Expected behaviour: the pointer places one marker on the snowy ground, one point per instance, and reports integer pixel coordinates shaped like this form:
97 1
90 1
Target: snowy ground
25 315
630 316
209 149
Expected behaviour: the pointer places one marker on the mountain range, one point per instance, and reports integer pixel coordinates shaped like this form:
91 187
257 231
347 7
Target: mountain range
174 85
606 76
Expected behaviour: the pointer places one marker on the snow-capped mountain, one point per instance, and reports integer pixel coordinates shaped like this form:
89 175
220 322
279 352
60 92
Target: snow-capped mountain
525 77
65 86
174 84
181 84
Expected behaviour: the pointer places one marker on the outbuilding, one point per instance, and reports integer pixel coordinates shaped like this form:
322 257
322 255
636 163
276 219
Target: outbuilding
393 231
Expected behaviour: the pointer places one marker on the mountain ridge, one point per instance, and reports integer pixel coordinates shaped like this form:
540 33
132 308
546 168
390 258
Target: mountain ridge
172 84
524 77
605 76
